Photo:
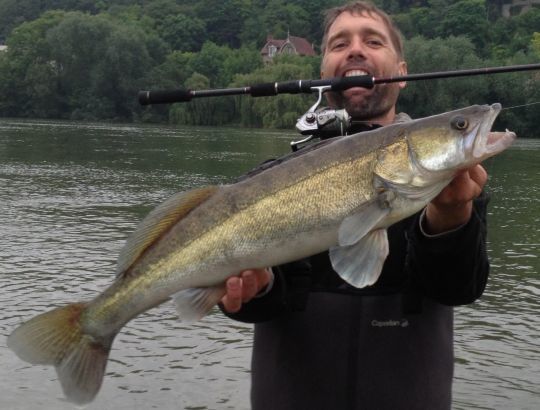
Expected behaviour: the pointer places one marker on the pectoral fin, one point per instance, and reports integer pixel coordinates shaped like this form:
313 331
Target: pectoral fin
355 227
361 264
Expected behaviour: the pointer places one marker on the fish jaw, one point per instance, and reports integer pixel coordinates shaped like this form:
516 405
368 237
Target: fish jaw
489 143
496 142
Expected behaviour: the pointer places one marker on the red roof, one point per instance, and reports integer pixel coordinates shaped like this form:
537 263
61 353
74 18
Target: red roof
300 45
303 47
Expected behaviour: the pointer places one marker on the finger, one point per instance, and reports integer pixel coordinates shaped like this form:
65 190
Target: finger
471 186
249 285
232 301
466 186
265 276
479 175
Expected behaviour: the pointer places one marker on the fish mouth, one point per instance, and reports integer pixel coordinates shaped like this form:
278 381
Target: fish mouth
488 143
498 141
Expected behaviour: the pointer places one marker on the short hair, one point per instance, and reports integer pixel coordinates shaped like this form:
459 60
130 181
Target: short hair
359 8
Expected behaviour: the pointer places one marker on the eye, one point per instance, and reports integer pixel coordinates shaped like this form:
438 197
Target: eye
459 123
338 45
374 43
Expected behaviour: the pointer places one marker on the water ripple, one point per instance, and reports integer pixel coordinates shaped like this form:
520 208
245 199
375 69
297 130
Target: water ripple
70 194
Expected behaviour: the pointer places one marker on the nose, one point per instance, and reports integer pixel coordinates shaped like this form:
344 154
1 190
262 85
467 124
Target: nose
357 49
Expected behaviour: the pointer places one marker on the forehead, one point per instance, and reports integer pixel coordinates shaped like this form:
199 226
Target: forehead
348 22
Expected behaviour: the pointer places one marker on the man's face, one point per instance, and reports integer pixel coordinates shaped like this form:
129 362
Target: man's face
358 45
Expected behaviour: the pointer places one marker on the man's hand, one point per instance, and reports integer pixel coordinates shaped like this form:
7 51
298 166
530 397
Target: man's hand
242 288
453 206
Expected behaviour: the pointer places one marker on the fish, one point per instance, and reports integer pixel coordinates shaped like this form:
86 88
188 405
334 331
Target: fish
339 195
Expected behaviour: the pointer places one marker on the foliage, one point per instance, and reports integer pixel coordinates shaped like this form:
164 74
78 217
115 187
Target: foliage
204 111
423 98
75 65
275 112
86 59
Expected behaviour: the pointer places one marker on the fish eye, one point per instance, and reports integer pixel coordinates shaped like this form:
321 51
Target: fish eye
459 123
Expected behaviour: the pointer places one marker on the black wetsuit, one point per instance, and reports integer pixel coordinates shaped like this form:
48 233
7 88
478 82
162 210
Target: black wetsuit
319 343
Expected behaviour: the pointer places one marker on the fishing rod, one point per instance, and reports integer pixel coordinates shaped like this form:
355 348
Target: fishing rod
310 86
318 122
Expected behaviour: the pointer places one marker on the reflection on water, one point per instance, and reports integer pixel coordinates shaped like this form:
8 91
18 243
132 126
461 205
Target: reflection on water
71 193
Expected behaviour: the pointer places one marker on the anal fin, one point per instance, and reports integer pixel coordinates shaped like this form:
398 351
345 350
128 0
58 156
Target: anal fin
195 303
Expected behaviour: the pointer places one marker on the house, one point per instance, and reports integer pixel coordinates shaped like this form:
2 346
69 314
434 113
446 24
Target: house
514 7
291 45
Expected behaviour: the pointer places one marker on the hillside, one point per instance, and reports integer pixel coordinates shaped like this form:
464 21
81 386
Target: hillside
83 59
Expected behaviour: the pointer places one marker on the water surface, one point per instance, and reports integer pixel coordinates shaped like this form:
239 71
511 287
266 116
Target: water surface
70 194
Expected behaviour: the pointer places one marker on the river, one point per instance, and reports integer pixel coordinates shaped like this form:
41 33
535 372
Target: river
70 193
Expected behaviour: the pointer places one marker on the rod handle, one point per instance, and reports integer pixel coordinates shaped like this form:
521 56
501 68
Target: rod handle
364 81
164 96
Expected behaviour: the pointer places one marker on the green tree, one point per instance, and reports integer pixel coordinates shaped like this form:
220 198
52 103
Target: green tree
204 111
511 35
419 21
466 17
281 17
78 66
281 111
159 10
27 74
173 72
209 62
76 45
224 19
117 76
422 98
240 61
535 44
15 12
519 94
182 32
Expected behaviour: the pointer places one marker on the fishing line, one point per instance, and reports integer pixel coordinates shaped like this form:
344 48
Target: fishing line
519 106
491 165
502 109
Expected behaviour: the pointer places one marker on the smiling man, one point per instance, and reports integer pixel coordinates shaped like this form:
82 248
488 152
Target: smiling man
359 43
319 343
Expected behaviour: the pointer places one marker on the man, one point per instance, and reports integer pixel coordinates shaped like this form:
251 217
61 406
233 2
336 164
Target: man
319 343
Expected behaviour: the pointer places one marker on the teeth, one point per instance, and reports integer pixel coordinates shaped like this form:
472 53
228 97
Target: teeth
355 73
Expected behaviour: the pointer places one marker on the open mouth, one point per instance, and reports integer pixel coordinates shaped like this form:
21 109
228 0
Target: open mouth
355 73
492 142
498 141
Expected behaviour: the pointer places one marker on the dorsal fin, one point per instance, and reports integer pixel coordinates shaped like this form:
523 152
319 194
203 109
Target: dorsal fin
158 221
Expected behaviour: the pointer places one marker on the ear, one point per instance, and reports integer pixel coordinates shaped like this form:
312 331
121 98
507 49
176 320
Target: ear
402 70
322 66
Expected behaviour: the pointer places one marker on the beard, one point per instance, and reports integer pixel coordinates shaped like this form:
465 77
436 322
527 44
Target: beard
382 99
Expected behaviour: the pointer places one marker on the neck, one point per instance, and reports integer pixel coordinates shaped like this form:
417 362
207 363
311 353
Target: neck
376 110
385 119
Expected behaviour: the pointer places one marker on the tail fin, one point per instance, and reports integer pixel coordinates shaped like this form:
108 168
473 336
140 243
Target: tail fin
56 338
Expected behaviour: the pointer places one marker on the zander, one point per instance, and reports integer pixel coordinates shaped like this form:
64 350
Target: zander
340 195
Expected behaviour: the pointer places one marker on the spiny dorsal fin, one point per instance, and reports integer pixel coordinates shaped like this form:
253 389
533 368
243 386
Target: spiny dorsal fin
158 221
